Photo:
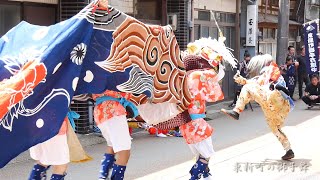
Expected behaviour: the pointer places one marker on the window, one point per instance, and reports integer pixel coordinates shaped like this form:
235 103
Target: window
196 31
47 15
274 2
204 31
268 33
229 33
9 17
217 16
233 38
231 18
268 48
292 34
146 9
204 15
312 12
214 32
223 17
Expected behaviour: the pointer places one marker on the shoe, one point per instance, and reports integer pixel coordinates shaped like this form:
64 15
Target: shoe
161 135
177 134
118 172
106 165
198 170
207 119
38 172
206 174
231 113
310 106
57 177
231 105
289 155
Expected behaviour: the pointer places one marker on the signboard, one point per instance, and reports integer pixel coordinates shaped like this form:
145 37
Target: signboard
251 25
311 41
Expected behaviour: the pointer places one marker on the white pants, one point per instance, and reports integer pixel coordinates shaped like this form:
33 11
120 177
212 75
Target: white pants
116 133
203 148
54 151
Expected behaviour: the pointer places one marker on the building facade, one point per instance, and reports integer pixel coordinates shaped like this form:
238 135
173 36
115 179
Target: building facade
268 26
40 12
206 13
225 14
301 11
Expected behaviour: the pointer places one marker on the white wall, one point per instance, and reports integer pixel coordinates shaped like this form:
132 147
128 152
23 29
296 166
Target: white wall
125 6
216 5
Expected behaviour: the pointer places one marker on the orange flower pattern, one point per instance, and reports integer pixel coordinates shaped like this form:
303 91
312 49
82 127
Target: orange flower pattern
196 131
109 109
204 87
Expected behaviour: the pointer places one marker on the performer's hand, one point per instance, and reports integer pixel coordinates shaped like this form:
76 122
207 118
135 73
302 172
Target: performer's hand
103 4
239 79
236 75
271 87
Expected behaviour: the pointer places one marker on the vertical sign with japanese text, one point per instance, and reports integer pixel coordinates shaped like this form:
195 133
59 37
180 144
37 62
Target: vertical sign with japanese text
311 46
251 25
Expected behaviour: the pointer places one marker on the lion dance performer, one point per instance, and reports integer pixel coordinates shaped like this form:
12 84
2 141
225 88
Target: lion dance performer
110 114
203 63
55 152
270 92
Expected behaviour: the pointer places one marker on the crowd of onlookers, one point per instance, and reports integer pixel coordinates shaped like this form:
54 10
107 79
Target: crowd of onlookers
294 72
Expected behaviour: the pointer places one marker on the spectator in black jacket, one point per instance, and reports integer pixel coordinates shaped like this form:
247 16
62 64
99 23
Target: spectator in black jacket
312 92
302 71
292 53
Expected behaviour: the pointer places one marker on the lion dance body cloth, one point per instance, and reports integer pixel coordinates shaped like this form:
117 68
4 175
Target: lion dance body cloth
111 55
42 68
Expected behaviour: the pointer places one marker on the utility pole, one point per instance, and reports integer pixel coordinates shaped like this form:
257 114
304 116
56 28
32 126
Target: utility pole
192 21
164 13
237 49
283 31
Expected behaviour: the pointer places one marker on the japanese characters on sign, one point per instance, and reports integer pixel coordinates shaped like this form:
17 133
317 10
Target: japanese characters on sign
251 25
311 47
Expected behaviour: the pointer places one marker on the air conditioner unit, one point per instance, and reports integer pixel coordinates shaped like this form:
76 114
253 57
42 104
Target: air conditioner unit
173 21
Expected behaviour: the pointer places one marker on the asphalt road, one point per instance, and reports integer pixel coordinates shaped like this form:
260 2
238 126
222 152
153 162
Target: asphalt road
151 154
